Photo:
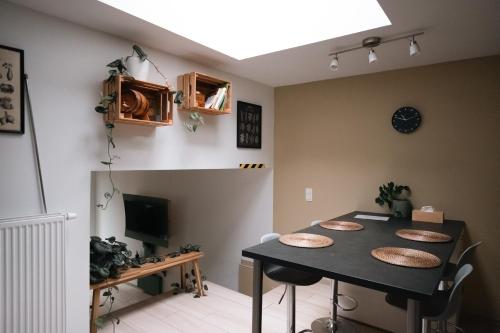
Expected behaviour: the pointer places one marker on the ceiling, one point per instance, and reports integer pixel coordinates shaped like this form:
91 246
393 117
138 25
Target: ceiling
454 30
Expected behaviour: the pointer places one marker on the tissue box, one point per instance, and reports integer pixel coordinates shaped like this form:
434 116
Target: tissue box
434 217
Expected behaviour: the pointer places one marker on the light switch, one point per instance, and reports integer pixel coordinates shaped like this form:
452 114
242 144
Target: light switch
309 194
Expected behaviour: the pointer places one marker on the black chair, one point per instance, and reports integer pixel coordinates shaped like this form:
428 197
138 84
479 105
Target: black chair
333 323
290 277
451 269
442 305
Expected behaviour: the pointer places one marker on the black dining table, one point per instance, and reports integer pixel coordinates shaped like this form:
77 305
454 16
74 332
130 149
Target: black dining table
349 260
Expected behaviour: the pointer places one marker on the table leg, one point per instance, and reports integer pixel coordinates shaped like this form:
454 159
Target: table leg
257 297
413 317
183 276
197 272
95 310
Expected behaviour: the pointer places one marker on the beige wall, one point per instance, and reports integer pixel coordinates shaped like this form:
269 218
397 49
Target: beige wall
336 137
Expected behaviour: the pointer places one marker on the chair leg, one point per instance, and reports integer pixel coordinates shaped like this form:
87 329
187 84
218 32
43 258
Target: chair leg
290 325
443 327
335 298
333 323
426 326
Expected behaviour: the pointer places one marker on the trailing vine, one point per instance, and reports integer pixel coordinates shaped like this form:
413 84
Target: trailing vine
116 67
110 299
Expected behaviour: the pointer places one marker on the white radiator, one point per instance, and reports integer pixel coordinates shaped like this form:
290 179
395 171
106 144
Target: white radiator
32 274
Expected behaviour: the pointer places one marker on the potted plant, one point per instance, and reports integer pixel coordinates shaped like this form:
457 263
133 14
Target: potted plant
396 198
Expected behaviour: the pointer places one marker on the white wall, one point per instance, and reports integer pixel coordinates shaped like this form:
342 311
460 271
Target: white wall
65 63
224 211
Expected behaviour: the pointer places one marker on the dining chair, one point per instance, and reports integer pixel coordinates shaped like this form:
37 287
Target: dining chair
291 277
451 269
334 323
442 305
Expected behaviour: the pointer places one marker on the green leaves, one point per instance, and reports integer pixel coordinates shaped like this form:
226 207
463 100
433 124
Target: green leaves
101 109
116 67
99 322
390 192
179 97
105 102
195 121
117 64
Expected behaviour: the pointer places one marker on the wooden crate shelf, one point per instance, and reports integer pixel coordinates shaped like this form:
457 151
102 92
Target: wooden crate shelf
160 100
205 85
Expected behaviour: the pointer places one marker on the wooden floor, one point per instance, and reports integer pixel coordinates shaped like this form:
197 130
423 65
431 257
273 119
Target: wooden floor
223 310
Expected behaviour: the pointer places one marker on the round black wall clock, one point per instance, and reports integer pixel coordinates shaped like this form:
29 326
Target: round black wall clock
406 119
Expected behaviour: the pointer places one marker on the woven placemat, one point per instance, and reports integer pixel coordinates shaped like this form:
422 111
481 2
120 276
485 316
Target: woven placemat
406 257
306 240
423 236
341 225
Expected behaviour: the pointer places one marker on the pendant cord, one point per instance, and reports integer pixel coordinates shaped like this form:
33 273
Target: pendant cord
35 145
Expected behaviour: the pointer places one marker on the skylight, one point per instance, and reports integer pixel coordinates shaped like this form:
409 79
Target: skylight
244 29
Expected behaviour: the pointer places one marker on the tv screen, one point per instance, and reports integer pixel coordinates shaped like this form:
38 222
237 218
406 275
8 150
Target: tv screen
146 219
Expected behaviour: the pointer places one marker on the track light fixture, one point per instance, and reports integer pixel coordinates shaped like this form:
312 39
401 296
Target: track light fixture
414 48
372 56
371 43
334 64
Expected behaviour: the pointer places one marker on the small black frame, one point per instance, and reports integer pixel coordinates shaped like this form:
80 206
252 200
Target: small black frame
11 90
249 125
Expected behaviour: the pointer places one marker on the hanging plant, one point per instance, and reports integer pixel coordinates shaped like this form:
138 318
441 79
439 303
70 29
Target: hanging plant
115 68
195 118
195 121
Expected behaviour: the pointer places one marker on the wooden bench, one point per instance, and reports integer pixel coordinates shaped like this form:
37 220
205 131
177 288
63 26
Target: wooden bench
148 269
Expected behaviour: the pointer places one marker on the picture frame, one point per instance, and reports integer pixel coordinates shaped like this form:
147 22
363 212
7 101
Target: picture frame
11 90
249 125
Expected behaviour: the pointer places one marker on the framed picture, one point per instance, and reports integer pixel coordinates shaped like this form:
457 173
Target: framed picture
249 129
11 90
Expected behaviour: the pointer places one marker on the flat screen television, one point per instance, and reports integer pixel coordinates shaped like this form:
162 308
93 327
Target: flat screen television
146 219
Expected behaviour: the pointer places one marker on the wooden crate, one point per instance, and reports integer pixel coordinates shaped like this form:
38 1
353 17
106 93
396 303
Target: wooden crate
207 85
160 99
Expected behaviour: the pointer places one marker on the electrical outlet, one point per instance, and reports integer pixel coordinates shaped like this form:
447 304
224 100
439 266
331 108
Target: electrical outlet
309 194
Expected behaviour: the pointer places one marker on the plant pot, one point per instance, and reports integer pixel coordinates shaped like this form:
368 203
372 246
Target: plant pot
137 68
401 208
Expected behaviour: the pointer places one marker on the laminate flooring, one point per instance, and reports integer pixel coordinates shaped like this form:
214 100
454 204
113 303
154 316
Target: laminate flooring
223 310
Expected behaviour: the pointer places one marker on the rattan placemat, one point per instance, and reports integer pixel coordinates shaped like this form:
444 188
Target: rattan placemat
341 225
306 240
423 236
406 257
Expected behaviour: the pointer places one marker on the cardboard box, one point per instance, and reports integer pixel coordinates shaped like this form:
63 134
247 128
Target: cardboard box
434 217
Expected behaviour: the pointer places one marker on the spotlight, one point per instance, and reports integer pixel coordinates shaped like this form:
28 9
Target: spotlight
414 48
372 56
370 43
334 64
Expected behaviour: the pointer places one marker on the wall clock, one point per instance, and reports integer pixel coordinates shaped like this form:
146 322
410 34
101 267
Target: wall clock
406 119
